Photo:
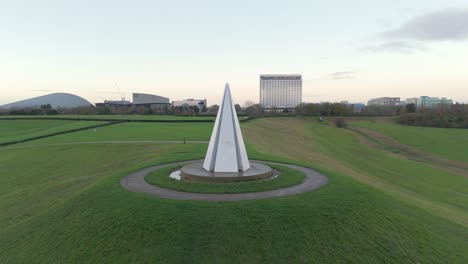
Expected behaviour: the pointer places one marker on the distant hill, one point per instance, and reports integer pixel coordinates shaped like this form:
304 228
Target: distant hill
56 100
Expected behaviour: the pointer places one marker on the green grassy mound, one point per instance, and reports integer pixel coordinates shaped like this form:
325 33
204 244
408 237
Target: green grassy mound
287 177
344 222
65 204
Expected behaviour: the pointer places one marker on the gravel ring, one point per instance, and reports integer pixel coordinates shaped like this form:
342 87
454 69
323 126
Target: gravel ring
135 182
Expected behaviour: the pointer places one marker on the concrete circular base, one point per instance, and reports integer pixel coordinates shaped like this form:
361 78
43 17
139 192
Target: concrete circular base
135 182
195 172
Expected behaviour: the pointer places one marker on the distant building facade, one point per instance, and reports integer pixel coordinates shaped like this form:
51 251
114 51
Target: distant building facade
358 107
384 101
200 103
413 100
116 103
151 101
428 102
280 91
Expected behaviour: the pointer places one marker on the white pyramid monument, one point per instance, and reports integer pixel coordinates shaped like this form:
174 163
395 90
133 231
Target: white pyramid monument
226 159
226 151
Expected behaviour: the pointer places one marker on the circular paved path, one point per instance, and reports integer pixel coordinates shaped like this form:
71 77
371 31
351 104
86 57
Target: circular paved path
135 182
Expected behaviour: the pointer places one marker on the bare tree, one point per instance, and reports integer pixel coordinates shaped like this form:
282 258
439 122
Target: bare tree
248 103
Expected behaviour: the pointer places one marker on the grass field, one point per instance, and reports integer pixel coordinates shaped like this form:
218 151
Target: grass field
287 177
436 190
13 130
131 117
135 132
64 203
449 143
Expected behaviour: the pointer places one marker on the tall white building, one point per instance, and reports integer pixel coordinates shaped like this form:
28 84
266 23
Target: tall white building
280 90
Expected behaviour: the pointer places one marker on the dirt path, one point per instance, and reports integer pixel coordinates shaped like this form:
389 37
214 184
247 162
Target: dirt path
135 182
383 141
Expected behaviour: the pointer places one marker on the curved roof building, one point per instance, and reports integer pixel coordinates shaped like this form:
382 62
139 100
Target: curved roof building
56 100
142 98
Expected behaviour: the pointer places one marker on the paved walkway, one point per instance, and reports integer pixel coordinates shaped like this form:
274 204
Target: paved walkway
135 182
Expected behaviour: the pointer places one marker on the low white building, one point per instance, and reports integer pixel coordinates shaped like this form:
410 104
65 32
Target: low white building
200 103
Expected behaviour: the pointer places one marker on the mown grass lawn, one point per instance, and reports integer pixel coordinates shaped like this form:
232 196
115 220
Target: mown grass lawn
131 117
64 204
13 130
133 131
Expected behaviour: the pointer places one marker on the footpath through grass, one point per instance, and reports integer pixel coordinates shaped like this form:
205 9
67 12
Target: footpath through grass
287 177
448 143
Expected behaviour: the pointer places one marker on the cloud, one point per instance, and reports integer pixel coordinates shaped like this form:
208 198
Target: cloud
341 75
448 24
395 47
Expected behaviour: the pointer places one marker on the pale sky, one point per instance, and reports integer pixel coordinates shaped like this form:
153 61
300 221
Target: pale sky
345 50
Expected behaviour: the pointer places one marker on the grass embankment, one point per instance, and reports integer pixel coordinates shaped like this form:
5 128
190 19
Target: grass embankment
435 190
14 130
65 204
287 177
448 143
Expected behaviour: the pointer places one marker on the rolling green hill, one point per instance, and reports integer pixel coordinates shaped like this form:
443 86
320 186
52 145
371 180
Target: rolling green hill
64 203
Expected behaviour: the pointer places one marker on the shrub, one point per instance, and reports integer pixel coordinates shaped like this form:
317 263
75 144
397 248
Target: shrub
341 123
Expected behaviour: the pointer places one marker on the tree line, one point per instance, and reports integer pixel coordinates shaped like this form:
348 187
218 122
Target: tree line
450 116
454 116
115 110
